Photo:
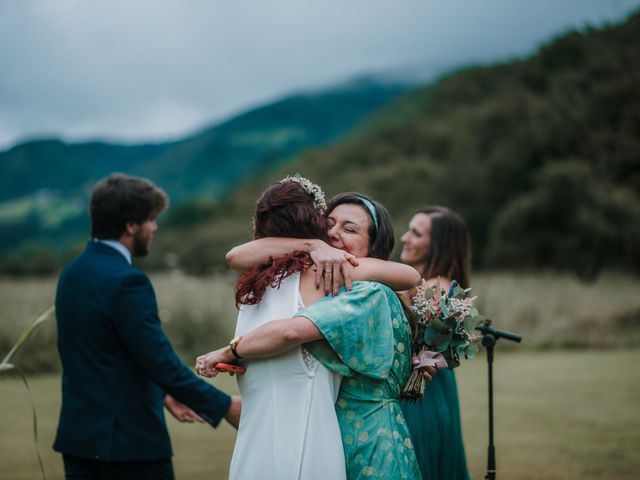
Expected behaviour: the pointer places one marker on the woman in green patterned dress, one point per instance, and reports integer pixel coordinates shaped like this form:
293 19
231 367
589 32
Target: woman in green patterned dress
364 335
437 245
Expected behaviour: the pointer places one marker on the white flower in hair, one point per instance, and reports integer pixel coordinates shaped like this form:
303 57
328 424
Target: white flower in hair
314 191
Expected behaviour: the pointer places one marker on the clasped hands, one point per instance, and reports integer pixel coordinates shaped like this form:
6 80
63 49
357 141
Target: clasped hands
333 267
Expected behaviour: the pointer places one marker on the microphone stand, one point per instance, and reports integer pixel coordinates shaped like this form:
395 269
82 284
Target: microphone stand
489 338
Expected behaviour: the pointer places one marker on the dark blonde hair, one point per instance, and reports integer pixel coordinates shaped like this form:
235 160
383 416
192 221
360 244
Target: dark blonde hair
449 252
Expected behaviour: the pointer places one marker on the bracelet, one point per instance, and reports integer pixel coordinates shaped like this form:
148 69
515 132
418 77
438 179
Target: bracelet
233 344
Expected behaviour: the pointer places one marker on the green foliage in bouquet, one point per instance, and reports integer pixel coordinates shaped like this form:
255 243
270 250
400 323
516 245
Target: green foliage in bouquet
446 321
444 327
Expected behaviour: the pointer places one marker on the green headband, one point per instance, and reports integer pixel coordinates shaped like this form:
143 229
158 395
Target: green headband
372 210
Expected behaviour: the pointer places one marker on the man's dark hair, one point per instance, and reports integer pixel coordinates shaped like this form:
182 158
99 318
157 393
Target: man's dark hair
120 199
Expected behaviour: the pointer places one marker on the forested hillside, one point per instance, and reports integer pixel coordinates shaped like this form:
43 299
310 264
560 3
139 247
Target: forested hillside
541 155
44 184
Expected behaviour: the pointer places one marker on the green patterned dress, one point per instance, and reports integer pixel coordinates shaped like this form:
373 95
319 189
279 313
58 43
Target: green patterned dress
368 341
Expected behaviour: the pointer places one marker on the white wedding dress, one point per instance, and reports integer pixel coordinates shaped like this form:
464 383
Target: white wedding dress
288 427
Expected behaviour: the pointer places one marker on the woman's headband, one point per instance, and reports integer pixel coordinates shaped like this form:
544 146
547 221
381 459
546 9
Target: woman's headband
372 210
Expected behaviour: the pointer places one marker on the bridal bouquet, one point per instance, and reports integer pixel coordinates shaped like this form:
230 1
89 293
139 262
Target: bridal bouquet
444 331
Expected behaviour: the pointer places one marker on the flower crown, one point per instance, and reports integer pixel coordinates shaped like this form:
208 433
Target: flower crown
314 191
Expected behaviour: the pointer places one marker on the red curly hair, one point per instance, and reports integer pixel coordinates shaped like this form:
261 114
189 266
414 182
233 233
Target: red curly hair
284 209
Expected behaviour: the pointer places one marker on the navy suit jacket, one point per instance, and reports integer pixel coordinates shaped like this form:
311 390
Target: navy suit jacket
118 363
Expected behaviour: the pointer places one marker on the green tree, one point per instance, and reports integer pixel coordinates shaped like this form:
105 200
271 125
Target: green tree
570 220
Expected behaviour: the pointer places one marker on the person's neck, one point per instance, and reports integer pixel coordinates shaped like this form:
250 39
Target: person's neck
127 242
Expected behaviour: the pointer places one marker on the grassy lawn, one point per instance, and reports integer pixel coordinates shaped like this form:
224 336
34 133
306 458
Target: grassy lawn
559 415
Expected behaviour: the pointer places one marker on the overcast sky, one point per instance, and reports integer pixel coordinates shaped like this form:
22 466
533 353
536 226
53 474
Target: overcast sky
136 70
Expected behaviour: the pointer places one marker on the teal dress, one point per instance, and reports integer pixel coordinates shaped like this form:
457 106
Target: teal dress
435 429
368 341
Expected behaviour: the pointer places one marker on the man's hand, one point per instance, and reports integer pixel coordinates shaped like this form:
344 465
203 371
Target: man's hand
233 414
180 411
331 262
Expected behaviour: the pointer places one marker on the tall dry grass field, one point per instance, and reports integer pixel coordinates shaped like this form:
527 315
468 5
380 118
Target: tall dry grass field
553 310
550 310
197 314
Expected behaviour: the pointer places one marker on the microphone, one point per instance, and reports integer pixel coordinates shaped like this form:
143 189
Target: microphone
497 333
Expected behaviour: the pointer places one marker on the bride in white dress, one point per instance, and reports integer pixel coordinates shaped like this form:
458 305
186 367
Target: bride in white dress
288 428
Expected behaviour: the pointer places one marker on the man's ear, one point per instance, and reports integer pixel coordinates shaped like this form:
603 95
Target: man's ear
131 228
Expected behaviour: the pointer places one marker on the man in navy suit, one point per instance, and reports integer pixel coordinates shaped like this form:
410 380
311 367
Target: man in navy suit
119 368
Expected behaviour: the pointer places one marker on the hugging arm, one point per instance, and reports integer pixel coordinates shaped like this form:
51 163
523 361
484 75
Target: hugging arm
327 259
339 266
248 255
396 276
267 340
270 339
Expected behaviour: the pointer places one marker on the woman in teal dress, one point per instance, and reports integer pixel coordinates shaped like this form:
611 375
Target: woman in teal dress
364 335
437 245
367 339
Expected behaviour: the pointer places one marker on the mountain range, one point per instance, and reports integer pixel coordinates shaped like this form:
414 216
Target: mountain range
540 154
44 184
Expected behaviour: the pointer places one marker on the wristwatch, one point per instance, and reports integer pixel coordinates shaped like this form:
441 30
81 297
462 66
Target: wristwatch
233 344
